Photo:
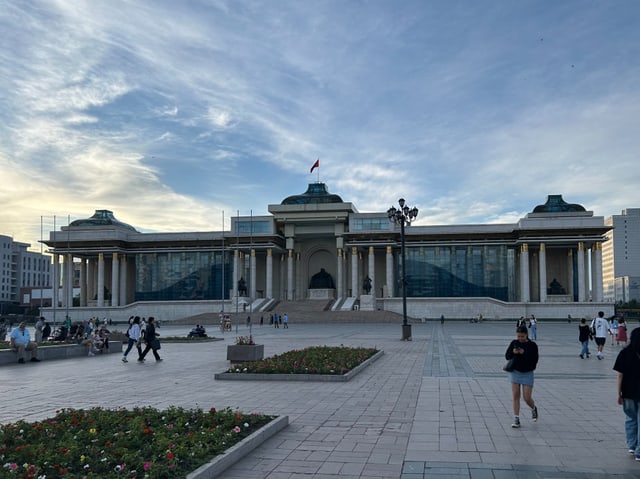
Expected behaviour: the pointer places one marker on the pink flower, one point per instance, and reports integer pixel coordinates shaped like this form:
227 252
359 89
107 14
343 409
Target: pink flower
236 429
147 466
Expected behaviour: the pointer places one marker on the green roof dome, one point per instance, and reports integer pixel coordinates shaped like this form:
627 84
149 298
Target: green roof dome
555 204
316 193
102 218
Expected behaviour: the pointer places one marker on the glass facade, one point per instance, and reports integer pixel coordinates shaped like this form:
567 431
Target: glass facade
253 227
176 276
375 223
459 271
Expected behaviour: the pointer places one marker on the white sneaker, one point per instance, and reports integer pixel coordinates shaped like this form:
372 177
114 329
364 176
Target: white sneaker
124 359
91 354
516 423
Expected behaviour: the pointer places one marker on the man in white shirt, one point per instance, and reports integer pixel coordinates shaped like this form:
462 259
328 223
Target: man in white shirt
21 342
599 328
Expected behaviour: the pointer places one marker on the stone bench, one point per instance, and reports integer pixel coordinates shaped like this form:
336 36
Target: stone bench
58 351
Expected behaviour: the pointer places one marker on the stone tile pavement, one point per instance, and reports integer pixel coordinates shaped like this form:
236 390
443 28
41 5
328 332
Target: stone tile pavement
436 407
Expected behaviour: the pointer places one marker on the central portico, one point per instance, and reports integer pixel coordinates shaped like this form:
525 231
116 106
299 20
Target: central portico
313 225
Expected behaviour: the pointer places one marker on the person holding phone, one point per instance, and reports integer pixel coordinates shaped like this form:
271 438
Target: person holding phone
524 352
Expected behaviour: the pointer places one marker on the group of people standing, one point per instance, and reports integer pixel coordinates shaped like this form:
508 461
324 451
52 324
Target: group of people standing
136 334
278 320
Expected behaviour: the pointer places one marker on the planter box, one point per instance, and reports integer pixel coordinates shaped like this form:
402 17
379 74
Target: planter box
238 353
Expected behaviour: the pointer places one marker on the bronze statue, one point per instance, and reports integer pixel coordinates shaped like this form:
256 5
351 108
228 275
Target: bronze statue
366 285
242 287
321 280
555 288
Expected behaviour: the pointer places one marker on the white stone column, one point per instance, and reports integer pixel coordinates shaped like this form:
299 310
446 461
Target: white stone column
55 300
354 272
100 280
389 259
524 273
91 280
269 268
83 282
115 280
242 273
372 271
290 276
67 281
542 261
299 291
252 273
236 276
581 271
340 280
570 288
123 280
596 272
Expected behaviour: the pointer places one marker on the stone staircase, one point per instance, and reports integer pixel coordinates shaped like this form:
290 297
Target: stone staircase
301 312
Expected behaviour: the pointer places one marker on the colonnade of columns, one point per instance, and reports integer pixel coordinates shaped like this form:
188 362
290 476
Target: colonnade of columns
592 256
93 274
92 280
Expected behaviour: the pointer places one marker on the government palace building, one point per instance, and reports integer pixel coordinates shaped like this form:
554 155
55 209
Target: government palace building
316 248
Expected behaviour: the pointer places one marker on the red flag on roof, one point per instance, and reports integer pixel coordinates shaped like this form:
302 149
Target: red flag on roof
315 165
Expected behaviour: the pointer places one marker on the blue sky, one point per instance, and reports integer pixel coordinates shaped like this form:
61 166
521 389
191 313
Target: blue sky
169 113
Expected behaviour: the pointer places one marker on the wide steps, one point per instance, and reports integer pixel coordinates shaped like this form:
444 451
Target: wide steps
297 316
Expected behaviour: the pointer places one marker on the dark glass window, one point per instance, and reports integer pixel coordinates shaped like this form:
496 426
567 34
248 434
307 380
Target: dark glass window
182 276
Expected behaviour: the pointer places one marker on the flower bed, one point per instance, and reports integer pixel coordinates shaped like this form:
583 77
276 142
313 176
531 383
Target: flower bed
318 363
142 443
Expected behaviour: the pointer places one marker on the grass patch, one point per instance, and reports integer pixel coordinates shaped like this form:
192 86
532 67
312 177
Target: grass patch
336 360
105 443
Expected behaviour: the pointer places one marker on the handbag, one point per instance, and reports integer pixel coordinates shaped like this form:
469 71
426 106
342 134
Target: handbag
509 366
155 344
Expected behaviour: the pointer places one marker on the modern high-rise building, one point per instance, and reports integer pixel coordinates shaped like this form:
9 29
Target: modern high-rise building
21 268
316 247
621 257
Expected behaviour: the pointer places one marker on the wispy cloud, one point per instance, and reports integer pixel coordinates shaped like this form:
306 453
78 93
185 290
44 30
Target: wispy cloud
167 113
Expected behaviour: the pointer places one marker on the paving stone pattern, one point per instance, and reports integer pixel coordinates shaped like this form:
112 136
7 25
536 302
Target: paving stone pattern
435 407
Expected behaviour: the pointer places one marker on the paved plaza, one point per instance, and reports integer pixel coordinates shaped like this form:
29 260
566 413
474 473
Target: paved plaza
435 407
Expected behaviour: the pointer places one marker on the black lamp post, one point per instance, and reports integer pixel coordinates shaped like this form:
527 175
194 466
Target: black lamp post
403 216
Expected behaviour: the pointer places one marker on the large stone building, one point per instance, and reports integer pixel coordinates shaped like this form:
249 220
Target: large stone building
621 271
21 268
317 247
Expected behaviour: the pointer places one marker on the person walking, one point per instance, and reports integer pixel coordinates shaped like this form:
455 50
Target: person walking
134 339
285 321
533 328
627 366
583 336
622 332
276 324
599 328
153 343
524 353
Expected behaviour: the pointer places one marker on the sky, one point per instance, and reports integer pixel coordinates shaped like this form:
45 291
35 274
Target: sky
174 115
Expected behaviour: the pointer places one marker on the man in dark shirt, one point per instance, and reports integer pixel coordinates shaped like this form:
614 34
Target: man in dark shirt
628 367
